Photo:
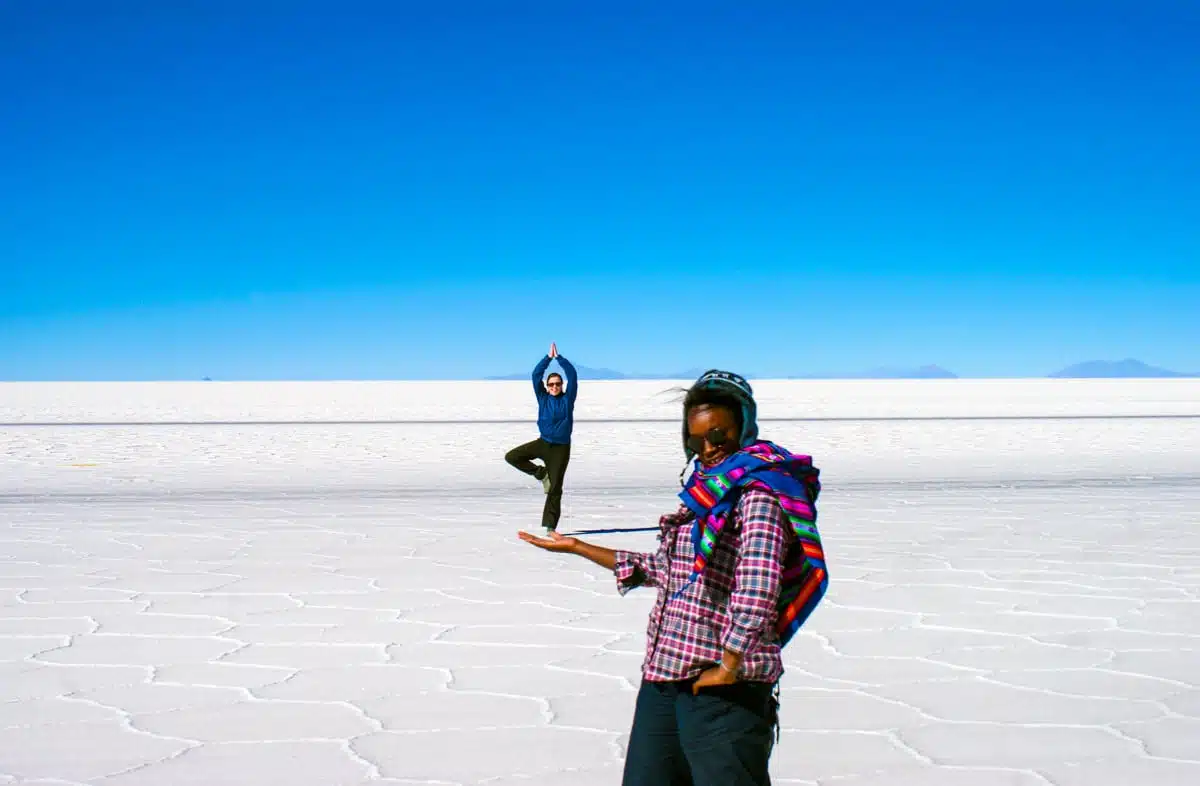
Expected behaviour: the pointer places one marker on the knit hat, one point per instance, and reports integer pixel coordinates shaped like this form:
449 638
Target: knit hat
737 387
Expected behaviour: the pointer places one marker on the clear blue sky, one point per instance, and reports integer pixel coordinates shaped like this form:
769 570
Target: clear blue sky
342 189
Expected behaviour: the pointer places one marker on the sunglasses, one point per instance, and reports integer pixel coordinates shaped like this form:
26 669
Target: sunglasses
715 437
554 384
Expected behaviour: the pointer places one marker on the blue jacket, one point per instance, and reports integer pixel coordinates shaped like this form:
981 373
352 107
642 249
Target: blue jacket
556 414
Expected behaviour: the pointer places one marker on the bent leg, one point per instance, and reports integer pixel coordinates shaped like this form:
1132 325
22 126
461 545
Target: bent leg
727 734
521 456
653 756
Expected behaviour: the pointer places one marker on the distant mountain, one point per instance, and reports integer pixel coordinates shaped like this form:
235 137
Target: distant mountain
690 374
1128 368
923 372
887 372
585 372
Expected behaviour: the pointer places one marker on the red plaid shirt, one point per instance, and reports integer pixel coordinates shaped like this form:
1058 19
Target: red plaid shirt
730 606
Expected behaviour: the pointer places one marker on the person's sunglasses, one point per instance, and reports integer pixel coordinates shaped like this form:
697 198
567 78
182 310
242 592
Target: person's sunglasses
554 384
715 437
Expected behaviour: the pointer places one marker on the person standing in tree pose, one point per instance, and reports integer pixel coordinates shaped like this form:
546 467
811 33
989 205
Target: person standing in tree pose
556 421
738 569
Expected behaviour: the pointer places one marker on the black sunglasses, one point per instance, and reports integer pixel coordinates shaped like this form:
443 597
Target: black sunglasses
715 437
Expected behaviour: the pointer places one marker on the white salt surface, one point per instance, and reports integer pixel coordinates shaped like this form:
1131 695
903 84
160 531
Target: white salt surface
337 596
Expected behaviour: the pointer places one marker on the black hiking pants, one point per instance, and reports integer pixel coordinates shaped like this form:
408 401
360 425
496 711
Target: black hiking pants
555 458
721 737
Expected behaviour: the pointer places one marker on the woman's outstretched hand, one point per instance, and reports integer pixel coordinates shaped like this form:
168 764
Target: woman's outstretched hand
604 557
553 542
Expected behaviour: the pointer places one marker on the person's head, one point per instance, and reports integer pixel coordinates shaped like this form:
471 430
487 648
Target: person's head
719 417
554 384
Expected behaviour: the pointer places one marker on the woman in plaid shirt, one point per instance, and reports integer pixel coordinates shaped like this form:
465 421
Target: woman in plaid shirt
706 709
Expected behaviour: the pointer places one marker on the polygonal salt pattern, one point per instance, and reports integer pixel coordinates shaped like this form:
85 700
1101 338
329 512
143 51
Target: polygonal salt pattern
1020 624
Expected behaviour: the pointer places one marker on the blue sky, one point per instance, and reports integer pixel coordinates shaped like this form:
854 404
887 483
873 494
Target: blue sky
347 189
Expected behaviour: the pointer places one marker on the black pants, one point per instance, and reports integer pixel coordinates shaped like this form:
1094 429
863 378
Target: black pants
556 458
721 737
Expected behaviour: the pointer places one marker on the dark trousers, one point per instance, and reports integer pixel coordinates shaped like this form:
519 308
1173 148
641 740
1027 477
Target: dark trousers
721 737
556 457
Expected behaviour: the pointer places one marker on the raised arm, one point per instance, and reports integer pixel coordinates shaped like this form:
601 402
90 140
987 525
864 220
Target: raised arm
539 389
572 378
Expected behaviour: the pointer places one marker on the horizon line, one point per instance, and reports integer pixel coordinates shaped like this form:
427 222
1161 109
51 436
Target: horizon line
629 378
618 421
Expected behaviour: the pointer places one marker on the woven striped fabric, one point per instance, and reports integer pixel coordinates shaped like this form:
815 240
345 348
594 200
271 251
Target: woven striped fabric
793 480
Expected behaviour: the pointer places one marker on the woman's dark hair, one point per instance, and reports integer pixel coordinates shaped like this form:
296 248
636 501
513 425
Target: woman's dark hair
704 396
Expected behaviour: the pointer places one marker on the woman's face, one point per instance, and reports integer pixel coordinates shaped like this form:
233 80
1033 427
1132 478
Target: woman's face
709 423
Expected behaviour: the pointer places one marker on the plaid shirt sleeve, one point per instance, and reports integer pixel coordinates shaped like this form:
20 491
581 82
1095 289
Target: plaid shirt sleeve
757 573
634 569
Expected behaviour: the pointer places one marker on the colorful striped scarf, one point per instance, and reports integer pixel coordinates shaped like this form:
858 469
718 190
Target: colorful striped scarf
790 478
